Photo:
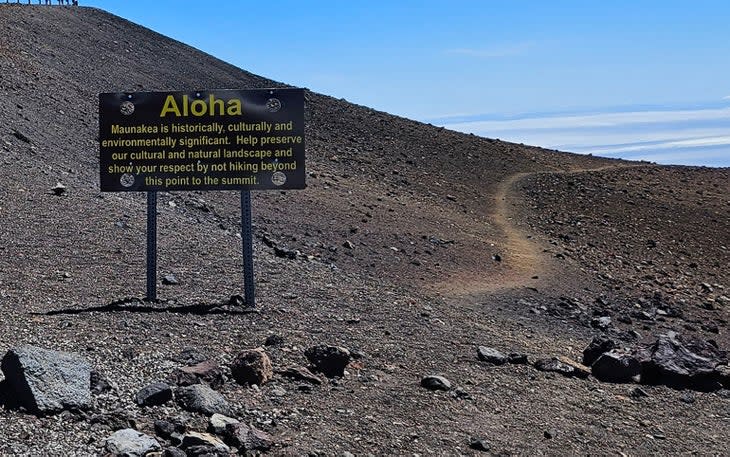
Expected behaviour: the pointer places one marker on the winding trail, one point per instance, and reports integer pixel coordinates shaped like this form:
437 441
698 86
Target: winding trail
524 261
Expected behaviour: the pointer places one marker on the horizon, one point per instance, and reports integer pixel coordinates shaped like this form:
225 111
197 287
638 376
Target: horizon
639 82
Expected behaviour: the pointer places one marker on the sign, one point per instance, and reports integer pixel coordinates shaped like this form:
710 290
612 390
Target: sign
202 140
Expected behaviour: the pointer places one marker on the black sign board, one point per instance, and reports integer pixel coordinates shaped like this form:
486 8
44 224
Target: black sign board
202 140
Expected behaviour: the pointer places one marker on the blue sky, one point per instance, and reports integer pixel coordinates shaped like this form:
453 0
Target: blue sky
634 79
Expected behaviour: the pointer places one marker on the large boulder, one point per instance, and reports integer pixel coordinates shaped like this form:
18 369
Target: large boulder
45 381
681 364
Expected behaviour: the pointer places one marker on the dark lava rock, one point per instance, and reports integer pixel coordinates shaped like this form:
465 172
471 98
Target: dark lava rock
45 381
517 358
217 423
329 360
301 374
597 346
491 355
131 443
723 374
206 371
616 366
154 394
681 364
479 445
200 398
434 382
252 367
687 397
115 420
249 438
580 370
166 429
554 365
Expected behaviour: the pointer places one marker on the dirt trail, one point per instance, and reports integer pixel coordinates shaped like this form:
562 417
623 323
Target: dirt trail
524 262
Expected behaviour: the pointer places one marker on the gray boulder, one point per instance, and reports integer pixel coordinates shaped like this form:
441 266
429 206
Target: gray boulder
249 438
597 346
435 382
200 398
131 443
45 381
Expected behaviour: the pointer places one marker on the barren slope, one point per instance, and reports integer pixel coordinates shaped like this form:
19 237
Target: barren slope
426 210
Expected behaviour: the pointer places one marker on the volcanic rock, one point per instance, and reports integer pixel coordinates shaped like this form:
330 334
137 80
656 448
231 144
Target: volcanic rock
200 398
681 364
434 382
154 394
517 358
252 367
218 422
616 366
207 371
249 438
491 355
301 374
131 443
597 346
329 360
194 442
46 381
554 365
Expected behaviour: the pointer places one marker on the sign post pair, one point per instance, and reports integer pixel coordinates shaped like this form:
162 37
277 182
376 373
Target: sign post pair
202 140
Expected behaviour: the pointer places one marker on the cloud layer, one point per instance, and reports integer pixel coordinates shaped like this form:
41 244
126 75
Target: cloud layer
681 136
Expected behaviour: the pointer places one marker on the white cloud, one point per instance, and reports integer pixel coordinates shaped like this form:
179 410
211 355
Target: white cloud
592 120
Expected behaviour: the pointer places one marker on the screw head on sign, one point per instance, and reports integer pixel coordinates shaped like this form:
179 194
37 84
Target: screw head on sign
273 104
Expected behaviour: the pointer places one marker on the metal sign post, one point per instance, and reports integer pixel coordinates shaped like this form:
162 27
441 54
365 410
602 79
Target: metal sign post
247 245
151 245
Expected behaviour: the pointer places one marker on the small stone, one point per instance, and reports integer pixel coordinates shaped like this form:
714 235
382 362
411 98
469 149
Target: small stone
479 445
207 371
329 360
602 323
252 367
154 394
554 365
549 434
166 429
58 189
517 358
203 440
434 382
491 355
348 244
218 422
170 280
131 443
497 257
200 398
249 438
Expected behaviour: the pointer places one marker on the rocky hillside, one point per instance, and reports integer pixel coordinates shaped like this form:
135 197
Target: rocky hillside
429 293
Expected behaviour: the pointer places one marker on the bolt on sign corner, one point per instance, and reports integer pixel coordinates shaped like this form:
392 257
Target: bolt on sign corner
202 140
